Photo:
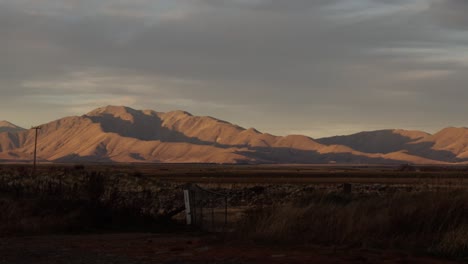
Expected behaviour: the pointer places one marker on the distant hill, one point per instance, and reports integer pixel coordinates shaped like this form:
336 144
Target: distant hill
123 134
6 126
381 141
448 145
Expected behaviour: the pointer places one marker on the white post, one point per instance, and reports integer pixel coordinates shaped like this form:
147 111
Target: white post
188 213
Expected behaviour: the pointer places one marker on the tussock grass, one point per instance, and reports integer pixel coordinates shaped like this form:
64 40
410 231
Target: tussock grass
433 222
76 200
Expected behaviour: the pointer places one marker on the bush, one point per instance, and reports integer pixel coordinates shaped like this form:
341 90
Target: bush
62 200
454 243
432 222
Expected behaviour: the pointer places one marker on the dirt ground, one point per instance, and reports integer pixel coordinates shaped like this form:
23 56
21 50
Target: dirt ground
177 249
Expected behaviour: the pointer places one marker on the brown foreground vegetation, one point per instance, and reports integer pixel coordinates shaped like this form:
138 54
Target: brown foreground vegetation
418 218
76 200
430 222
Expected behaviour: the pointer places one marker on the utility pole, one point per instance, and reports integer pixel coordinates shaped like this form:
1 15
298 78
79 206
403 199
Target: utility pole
37 128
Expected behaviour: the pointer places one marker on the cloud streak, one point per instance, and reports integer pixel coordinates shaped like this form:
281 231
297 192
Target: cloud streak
280 66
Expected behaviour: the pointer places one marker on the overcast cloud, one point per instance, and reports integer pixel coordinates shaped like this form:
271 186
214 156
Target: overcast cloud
319 68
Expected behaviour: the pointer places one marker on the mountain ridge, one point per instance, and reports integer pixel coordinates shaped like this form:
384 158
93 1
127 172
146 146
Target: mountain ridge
6 126
123 134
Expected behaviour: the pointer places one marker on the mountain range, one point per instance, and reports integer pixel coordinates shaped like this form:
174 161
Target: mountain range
123 134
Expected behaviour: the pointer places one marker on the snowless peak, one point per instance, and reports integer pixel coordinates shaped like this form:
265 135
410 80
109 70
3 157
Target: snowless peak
412 134
111 109
180 113
451 130
8 124
253 130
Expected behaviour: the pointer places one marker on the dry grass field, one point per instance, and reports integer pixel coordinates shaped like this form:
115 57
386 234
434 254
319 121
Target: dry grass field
417 210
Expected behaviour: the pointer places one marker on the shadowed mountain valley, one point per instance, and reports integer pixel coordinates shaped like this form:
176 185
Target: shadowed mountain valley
415 143
123 134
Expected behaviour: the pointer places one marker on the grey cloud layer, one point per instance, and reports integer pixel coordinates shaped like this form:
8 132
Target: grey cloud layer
451 13
376 63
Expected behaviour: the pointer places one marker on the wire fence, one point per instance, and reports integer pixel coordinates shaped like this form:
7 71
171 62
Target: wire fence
206 209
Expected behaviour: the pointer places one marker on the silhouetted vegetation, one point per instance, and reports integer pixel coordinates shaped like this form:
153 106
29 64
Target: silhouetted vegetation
431 222
75 200
427 214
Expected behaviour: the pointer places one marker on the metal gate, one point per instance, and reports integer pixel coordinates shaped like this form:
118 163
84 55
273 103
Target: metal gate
205 209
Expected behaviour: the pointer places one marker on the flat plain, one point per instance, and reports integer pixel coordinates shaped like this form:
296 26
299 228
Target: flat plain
134 213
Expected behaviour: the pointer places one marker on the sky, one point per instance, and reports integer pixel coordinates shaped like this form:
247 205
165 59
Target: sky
312 67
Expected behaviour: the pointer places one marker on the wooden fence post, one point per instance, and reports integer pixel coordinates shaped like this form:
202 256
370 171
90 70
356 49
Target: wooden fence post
188 212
